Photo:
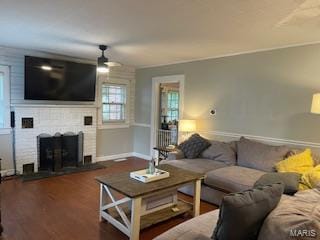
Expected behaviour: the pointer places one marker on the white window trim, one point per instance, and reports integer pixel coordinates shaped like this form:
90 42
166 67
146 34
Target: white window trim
6 88
112 125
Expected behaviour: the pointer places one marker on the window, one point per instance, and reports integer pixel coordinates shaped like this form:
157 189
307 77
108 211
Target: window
4 97
173 105
113 103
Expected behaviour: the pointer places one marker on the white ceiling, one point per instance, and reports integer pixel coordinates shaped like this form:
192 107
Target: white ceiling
154 32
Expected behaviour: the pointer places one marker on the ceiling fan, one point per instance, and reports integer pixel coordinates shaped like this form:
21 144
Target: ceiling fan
103 62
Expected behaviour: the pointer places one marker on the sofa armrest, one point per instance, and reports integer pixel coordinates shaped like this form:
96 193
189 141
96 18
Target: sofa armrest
175 155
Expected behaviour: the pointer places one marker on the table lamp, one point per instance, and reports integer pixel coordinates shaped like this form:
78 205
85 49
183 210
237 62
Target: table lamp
315 106
187 127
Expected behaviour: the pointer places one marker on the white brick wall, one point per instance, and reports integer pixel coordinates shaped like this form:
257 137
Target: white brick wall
51 119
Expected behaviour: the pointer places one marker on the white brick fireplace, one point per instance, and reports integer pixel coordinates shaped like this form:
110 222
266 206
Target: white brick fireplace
51 119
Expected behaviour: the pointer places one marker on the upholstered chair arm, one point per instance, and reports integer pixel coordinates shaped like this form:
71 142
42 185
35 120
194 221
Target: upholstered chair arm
175 155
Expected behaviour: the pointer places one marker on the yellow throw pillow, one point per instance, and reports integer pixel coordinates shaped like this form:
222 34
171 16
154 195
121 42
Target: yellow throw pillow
310 179
299 163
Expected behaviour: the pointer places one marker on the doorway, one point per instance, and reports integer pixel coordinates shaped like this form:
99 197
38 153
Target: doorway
167 109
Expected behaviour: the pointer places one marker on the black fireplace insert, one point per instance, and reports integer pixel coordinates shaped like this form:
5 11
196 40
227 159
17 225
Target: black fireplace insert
59 151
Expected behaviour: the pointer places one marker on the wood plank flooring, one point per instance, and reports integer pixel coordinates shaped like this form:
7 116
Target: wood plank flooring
66 208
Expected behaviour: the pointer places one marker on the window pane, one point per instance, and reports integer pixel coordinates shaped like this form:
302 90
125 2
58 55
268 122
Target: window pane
173 105
114 100
2 103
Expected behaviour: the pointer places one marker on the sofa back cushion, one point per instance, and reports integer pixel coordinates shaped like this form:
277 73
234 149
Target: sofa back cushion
253 154
290 181
221 151
242 214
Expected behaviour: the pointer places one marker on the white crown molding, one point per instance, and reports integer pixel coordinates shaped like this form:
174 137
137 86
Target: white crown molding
264 139
231 54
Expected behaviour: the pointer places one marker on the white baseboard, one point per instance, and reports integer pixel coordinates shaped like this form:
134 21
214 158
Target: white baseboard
113 157
140 155
7 172
122 155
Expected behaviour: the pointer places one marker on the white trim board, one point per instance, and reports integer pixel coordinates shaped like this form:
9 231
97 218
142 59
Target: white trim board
113 157
7 172
156 81
5 131
141 125
264 139
122 156
140 155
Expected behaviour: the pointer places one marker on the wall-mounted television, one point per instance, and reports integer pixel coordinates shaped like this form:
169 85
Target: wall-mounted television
51 79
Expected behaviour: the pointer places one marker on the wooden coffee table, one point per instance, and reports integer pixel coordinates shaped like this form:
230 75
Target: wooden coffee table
123 198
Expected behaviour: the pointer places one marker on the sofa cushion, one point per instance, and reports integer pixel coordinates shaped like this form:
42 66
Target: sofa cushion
289 180
199 165
207 222
296 217
258 155
242 214
300 163
232 178
193 146
220 151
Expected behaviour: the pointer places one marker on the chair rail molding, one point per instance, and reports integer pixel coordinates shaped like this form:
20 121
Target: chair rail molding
262 138
141 125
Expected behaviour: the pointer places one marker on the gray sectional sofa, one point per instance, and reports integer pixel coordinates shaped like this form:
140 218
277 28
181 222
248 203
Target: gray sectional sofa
229 166
294 215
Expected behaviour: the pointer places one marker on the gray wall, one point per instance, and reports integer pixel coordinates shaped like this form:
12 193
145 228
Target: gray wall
265 94
114 141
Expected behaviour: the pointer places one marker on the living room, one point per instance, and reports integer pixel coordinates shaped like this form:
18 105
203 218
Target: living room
160 120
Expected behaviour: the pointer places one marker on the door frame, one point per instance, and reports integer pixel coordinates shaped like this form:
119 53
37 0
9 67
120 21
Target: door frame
6 94
156 81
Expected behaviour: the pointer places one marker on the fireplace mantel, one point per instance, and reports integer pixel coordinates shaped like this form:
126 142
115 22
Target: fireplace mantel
53 106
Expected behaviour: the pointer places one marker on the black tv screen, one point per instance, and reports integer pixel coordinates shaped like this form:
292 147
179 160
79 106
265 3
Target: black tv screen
50 79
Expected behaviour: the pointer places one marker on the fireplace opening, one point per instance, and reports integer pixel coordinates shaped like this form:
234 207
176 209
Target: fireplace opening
60 151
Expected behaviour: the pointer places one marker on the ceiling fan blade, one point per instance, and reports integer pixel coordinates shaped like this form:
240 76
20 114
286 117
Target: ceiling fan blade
113 64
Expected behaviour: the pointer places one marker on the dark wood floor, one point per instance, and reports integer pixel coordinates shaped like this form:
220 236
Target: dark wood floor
66 208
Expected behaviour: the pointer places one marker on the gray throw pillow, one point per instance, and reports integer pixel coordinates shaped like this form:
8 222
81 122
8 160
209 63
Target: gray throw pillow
221 151
258 155
290 181
242 214
193 146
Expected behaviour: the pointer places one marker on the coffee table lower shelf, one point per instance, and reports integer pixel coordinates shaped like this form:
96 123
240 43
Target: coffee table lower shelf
156 217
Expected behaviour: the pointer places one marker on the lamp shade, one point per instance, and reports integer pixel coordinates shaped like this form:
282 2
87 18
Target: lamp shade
315 107
187 125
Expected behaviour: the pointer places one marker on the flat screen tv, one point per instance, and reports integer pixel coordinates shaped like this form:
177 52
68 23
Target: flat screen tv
50 79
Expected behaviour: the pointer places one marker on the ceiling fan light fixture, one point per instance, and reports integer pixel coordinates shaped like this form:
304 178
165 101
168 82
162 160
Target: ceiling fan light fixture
102 67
